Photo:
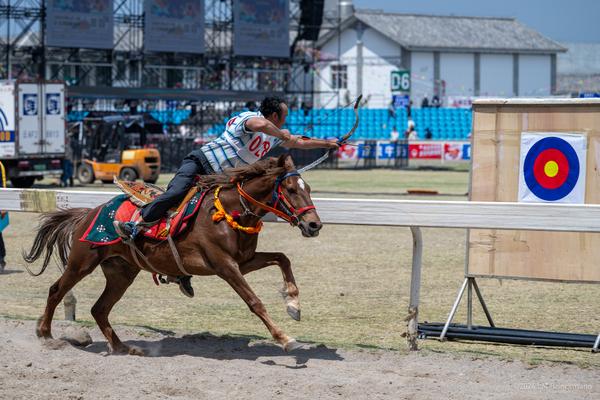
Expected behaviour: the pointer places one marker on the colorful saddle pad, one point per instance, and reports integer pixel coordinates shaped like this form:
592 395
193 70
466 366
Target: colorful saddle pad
102 232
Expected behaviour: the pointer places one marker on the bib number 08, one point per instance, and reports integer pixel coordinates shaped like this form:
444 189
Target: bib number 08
259 147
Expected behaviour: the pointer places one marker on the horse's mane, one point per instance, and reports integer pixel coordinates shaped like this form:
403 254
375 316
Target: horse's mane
268 167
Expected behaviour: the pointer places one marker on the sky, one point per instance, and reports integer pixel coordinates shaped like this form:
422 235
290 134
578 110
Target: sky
560 20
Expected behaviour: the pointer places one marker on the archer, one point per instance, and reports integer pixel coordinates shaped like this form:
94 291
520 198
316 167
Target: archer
247 138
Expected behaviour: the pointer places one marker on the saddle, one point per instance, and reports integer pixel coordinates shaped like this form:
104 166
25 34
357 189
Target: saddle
127 207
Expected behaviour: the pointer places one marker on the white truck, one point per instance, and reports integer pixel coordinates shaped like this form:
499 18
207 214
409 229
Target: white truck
32 130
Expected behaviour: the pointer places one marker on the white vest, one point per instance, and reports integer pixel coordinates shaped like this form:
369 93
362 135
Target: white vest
238 145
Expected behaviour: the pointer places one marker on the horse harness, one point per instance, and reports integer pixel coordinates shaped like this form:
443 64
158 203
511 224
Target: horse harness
278 200
289 214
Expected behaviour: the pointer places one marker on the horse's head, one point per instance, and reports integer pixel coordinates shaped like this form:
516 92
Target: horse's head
291 195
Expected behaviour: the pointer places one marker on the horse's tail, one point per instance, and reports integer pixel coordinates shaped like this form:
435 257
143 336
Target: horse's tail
55 232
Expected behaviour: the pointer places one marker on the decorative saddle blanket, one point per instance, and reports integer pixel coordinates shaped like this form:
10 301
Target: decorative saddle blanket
126 207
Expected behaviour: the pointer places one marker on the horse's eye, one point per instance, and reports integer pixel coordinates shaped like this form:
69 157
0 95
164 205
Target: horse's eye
291 189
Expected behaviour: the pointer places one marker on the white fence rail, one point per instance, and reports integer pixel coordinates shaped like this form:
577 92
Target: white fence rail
410 213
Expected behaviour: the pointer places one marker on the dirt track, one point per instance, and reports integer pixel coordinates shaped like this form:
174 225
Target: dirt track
202 366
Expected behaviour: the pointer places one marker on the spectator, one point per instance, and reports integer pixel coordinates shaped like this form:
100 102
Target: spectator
425 102
3 215
2 254
305 108
391 111
428 134
435 102
66 179
409 109
410 133
394 135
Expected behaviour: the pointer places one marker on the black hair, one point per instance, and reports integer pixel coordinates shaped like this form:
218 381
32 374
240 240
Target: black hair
271 105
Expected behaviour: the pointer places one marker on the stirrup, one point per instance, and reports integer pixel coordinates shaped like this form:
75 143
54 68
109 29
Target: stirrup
122 229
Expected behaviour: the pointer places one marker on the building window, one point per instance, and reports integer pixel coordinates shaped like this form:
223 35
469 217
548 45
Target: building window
339 76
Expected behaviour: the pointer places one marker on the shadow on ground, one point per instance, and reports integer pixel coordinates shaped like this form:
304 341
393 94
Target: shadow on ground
10 271
226 347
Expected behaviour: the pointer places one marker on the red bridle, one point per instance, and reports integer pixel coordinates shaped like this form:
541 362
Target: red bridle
289 212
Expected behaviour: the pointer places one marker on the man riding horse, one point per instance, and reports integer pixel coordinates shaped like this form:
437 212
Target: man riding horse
247 138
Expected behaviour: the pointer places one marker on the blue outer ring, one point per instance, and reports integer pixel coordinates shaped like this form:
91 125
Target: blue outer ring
572 178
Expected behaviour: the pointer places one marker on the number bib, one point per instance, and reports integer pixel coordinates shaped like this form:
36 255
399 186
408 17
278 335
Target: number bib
257 147
249 146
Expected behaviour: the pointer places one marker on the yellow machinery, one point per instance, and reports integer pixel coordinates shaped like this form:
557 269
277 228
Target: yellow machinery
135 164
115 147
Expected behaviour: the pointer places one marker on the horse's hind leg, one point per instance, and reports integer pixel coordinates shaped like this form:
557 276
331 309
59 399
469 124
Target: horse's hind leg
290 290
80 264
233 276
119 276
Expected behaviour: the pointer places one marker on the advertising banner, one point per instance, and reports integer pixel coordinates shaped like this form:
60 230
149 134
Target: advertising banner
457 151
54 118
85 24
7 120
425 151
174 26
261 28
386 150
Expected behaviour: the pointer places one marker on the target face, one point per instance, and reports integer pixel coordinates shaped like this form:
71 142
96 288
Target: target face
552 168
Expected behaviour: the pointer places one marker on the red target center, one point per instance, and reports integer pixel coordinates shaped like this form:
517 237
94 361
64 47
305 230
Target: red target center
546 181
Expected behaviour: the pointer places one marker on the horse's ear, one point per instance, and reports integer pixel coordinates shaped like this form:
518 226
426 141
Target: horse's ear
286 161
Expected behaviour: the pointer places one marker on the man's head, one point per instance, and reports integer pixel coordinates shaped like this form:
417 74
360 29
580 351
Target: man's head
275 110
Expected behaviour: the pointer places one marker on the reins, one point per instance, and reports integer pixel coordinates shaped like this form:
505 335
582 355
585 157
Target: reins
289 213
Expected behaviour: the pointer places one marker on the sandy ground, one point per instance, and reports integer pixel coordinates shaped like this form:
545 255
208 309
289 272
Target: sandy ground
203 366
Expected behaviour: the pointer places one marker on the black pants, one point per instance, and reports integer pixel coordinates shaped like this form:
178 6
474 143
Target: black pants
194 164
2 249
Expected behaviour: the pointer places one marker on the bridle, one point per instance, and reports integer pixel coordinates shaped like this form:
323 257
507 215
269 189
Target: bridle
279 201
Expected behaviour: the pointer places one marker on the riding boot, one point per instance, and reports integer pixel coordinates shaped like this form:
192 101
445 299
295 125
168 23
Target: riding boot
185 285
126 230
130 229
184 282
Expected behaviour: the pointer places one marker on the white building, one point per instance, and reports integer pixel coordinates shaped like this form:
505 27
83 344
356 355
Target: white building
447 55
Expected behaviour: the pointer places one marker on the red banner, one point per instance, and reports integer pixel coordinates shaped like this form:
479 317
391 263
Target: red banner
425 151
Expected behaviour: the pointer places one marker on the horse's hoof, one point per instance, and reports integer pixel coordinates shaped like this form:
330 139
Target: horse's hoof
293 312
292 345
43 335
39 332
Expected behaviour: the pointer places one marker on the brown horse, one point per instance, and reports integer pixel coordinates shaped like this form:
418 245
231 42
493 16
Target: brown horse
206 248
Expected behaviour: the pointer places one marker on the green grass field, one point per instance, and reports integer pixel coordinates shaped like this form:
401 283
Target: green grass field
354 284
450 183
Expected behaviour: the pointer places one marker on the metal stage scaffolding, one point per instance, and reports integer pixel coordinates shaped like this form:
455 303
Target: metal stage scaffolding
125 78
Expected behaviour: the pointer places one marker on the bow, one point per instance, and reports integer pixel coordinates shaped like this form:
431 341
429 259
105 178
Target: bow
340 141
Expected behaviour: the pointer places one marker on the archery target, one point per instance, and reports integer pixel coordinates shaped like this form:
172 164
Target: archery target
552 168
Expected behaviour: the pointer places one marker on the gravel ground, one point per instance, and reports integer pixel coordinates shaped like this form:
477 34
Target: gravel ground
203 366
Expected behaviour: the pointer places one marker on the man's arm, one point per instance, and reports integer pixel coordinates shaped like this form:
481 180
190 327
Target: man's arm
305 143
258 124
290 141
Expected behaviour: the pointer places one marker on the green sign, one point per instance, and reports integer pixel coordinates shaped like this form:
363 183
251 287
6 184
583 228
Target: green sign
401 81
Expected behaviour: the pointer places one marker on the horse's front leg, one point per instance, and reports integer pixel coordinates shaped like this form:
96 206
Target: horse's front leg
230 272
290 290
